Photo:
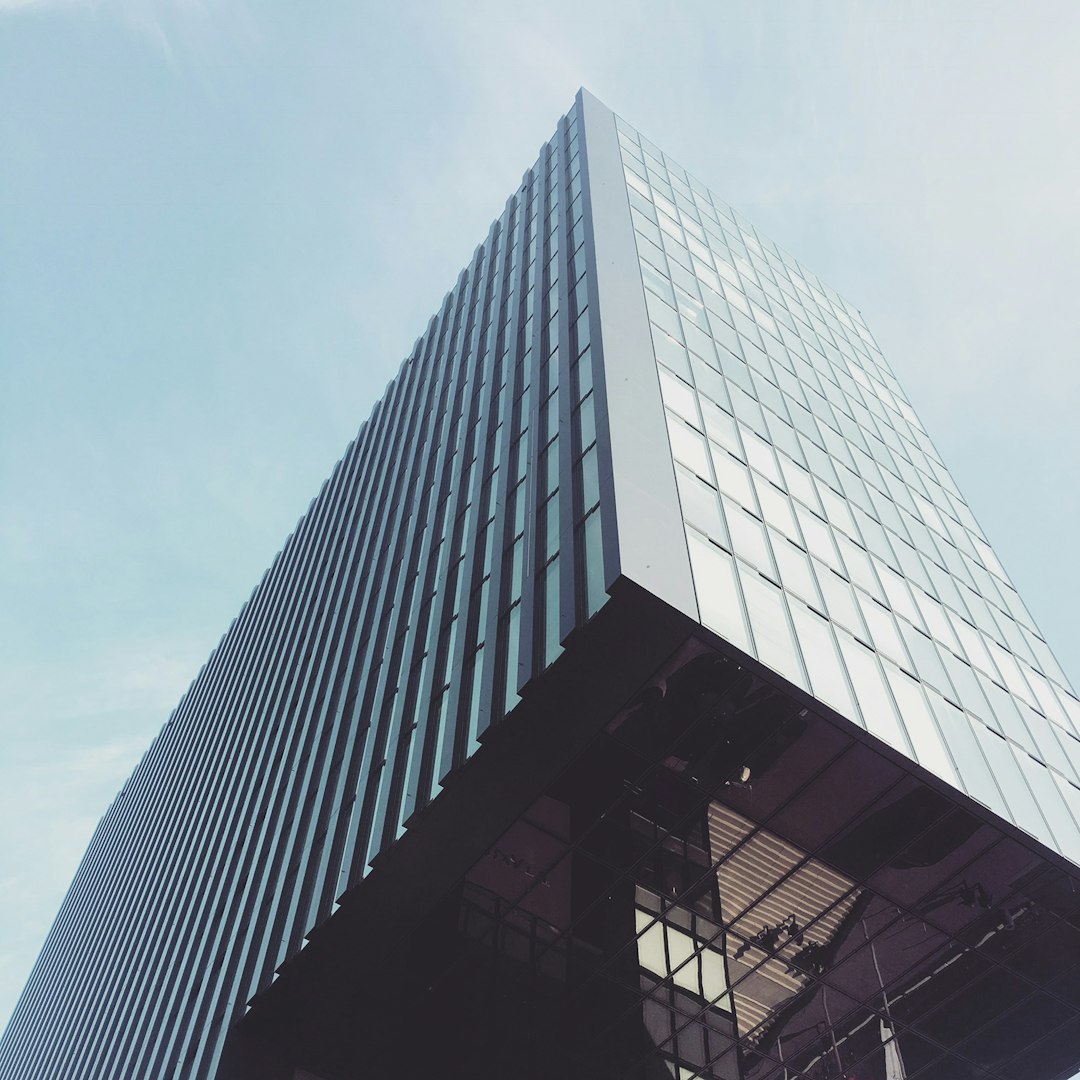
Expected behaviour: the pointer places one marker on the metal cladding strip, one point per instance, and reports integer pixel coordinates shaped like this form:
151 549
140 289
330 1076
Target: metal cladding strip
561 606
414 546
487 559
493 693
426 574
323 698
434 636
255 885
490 428
345 691
356 710
253 952
153 1005
556 254
517 628
78 897
572 585
349 661
547 438
81 906
444 579
392 503
340 524
373 600
533 596
169 1025
122 909
514 560
201 955
550 396
314 728
382 682
530 490
159 792
104 905
24 1019
438 734
198 864
246 901
432 674
589 118
593 538
378 705
608 534
340 660
651 540
410 561
288 790
526 356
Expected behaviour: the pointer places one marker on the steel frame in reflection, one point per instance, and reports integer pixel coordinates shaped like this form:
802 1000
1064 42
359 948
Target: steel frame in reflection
728 885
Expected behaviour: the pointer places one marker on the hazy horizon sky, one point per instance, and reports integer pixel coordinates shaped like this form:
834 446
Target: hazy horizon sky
224 224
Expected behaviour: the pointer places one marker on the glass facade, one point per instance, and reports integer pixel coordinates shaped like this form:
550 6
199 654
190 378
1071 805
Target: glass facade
576 730
729 886
455 546
826 537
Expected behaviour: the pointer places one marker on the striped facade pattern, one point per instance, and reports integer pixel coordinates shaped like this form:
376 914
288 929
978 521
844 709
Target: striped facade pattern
455 546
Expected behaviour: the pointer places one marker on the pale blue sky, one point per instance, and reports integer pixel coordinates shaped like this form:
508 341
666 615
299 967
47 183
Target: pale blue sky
224 223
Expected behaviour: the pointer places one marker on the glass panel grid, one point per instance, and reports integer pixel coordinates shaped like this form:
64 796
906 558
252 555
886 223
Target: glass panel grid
785 412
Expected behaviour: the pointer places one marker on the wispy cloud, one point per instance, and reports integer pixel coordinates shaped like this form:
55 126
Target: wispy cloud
174 27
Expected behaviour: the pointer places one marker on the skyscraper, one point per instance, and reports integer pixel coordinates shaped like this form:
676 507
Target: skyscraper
637 698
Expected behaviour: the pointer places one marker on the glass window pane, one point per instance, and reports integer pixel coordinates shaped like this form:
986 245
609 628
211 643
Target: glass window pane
513 641
671 354
773 641
701 506
680 398
1071 797
795 573
884 635
761 457
873 696
818 540
722 429
1065 829
552 644
776 509
689 447
650 944
747 537
827 679
1006 770
915 714
717 591
840 600
733 478
956 730
926 660
595 590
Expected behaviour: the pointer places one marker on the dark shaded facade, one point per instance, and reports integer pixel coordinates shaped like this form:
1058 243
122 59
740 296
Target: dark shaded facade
638 698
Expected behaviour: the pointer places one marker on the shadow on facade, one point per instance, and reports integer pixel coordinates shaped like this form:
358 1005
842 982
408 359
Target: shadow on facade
722 883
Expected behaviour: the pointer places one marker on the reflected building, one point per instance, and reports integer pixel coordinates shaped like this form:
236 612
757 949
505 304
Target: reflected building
639 698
